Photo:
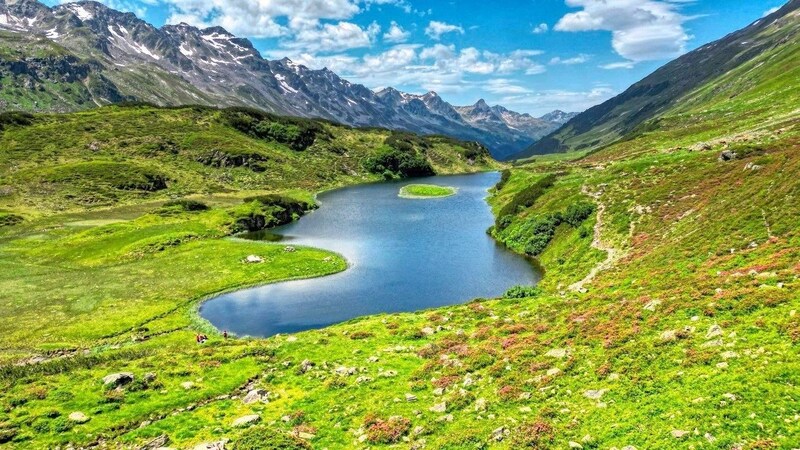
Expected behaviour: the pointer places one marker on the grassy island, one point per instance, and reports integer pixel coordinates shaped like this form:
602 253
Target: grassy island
421 191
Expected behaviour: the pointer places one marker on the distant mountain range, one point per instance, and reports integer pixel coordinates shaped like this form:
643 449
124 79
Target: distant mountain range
80 55
749 50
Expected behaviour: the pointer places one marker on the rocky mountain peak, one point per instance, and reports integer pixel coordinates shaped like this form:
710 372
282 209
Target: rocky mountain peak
180 64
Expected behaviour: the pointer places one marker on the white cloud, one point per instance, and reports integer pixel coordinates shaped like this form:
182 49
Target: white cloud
503 86
313 36
436 29
540 29
396 34
258 18
580 59
540 102
618 65
770 11
439 67
641 29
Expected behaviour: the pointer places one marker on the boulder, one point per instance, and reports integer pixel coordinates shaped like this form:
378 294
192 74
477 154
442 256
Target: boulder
727 155
218 445
306 365
679 434
595 394
246 421
78 417
149 377
499 434
439 407
557 353
253 259
156 443
714 331
256 396
117 379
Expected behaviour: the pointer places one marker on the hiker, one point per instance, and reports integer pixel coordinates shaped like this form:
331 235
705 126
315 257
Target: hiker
225 334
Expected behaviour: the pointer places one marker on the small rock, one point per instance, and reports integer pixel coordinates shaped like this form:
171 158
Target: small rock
362 380
159 442
652 305
669 335
306 365
573 444
149 377
117 379
78 417
557 353
253 259
499 434
438 392
714 331
219 445
439 407
411 398
289 249
345 371
679 434
255 396
246 421
595 394
727 155
480 405
729 355
373 359
187 385
553 372
427 331
714 343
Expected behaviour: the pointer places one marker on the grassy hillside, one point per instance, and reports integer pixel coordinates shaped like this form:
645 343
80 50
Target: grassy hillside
667 316
36 74
760 61
124 155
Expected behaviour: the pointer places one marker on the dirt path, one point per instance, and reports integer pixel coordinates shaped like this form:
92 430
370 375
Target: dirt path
613 254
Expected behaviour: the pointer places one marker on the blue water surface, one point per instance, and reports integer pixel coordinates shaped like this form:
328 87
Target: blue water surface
404 255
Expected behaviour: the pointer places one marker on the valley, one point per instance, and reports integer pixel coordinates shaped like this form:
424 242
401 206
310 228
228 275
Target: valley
661 311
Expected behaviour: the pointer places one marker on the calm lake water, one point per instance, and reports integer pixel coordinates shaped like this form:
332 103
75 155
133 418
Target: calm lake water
404 255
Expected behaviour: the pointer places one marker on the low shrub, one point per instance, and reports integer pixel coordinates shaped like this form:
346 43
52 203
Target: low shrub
535 435
522 292
389 431
399 164
182 205
15 118
263 438
296 133
505 175
525 198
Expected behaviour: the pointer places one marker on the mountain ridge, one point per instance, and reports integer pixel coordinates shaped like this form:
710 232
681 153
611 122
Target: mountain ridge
182 64
666 87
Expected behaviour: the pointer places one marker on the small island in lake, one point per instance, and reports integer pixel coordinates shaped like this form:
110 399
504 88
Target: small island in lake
422 191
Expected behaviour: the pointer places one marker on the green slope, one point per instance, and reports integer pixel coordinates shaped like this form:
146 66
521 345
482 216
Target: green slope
37 74
667 317
122 155
736 65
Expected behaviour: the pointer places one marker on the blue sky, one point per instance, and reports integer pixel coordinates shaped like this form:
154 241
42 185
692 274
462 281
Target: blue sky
529 55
